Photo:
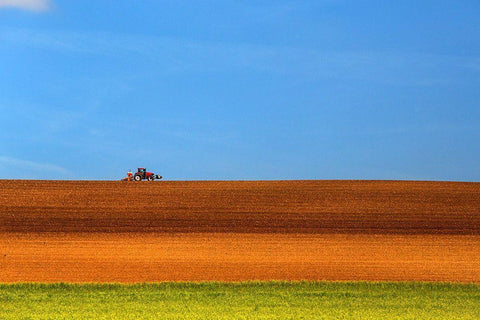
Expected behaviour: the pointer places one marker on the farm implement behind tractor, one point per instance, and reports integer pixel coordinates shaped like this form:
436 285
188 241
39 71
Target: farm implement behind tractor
140 175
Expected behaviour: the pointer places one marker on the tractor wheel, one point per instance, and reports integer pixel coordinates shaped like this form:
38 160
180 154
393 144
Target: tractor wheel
151 178
137 177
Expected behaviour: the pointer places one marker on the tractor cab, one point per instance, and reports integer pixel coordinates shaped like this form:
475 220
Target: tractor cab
140 174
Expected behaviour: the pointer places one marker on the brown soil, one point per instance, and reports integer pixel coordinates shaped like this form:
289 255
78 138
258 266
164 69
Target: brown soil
317 230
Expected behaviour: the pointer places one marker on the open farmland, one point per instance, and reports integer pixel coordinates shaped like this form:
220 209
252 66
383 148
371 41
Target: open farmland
263 300
77 231
257 300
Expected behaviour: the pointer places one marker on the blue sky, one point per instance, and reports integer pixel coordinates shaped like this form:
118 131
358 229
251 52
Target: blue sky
214 89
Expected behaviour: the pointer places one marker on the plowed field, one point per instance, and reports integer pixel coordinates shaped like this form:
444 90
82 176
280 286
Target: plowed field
317 230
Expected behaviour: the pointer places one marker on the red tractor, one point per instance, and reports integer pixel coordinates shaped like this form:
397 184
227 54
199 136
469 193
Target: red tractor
142 174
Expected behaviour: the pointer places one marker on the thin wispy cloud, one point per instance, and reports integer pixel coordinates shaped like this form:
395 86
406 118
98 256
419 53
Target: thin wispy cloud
11 163
30 5
176 55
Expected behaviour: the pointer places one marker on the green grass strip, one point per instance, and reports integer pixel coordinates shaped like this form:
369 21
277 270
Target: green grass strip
246 300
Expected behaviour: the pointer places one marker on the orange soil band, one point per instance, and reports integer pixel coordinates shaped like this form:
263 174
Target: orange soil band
236 257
